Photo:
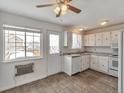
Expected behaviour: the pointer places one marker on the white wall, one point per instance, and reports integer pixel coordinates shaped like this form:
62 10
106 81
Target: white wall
7 70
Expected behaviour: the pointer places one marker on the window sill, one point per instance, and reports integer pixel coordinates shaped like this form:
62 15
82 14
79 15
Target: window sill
22 60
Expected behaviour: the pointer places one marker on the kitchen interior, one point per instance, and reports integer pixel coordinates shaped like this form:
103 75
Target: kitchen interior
100 53
73 55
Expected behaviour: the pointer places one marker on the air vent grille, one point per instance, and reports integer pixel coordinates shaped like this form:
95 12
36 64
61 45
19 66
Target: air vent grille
24 69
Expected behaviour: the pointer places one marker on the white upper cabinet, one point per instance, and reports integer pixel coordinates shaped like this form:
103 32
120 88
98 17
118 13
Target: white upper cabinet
106 39
86 40
114 37
91 39
99 39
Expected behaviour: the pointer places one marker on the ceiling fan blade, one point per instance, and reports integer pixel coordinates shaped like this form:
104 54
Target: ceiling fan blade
46 5
67 1
74 9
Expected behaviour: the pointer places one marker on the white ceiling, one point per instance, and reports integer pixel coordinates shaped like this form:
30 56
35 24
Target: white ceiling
93 11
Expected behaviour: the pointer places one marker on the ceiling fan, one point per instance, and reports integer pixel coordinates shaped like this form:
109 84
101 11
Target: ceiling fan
61 7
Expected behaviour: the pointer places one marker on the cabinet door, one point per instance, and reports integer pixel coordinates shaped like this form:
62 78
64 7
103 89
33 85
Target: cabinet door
98 39
103 63
86 40
114 36
106 38
94 62
76 64
92 40
85 62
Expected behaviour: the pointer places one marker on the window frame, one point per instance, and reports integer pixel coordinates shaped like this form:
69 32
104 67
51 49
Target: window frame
77 38
25 58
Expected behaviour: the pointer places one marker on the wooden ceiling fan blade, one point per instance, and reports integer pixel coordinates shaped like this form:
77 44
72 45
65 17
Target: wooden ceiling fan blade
45 5
74 9
67 1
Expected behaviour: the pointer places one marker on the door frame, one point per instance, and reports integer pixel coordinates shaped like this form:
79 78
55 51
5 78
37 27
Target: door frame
47 46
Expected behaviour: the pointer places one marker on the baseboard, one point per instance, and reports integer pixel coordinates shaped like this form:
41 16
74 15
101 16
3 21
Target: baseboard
20 84
7 87
29 81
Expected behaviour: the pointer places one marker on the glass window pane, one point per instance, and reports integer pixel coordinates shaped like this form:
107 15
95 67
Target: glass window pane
9 45
76 41
29 33
6 32
9 53
36 39
53 44
29 53
20 38
29 39
36 46
21 44
20 33
36 53
15 44
37 34
20 52
29 44
11 36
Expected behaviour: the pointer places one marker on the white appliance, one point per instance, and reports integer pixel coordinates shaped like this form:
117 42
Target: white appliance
113 66
121 64
72 64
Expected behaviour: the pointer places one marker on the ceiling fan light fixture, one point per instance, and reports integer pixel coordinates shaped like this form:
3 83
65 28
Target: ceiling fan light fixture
57 9
64 8
81 29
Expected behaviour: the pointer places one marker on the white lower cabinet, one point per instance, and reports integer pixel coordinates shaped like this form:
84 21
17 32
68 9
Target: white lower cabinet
85 62
76 63
72 64
94 62
104 64
99 63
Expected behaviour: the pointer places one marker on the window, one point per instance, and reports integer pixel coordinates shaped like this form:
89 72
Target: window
76 40
22 44
53 44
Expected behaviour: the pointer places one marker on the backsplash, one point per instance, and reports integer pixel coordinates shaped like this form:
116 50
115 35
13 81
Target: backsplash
98 50
67 50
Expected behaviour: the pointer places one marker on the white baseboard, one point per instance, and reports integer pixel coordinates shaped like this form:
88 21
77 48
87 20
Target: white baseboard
22 83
